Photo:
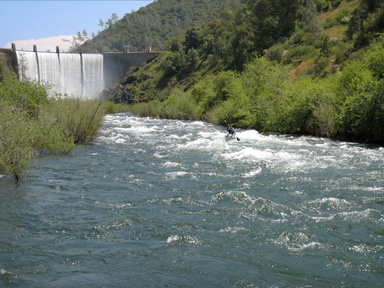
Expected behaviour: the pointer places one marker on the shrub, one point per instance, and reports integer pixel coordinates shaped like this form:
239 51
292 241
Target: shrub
31 123
180 105
146 109
359 87
78 119
110 107
27 96
303 52
17 140
49 137
376 57
263 83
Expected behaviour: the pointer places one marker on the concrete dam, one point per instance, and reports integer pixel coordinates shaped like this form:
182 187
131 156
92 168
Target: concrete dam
83 75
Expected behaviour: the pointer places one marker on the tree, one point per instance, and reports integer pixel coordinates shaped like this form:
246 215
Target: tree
101 24
78 40
114 18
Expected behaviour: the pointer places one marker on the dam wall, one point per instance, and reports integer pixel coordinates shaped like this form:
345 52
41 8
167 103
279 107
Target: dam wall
118 64
79 74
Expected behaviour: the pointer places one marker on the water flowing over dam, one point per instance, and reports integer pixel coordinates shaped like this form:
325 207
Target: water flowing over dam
80 75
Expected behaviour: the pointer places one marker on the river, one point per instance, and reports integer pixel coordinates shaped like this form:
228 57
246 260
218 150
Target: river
169 203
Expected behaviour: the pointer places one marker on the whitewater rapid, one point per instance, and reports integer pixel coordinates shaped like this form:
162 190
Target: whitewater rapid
170 203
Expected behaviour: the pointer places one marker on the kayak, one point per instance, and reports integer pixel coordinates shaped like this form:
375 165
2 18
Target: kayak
230 137
231 132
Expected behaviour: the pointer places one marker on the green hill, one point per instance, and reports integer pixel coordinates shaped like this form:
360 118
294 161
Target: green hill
290 66
153 25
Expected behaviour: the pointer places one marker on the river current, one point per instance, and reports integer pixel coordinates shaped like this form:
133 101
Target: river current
168 203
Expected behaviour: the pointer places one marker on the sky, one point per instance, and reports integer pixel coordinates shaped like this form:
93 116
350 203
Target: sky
46 23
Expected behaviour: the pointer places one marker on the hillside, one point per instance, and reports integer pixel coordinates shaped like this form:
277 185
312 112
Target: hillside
277 66
153 25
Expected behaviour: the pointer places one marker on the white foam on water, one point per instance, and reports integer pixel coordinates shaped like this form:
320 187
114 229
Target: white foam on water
366 249
249 154
358 216
158 155
311 245
184 239
250 135
109 136
297 241
174 175
253 173
173 238
331 203
3 271
119 206
233 230
235 196
171 164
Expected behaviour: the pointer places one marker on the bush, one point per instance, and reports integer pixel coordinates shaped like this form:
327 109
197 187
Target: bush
376 57
27 96
263 83
180 105
17 139
78 119
152 108
303 52
31 123
110 107
359 87
49 137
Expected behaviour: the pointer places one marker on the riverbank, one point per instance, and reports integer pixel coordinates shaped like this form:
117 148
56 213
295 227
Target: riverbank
31 123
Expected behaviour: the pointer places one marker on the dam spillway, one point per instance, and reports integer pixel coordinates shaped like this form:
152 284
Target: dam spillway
78 75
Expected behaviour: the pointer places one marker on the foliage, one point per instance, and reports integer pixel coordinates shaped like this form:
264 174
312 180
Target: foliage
16 140
180 105
363 102
27 96
366 21
77 41
30 123
151 108
79 119
152 26
268 65
376 57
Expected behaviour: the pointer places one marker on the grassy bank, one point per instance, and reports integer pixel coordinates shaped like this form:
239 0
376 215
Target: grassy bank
31 123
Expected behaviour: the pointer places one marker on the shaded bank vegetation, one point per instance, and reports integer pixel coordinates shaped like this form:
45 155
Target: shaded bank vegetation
31 123
308 67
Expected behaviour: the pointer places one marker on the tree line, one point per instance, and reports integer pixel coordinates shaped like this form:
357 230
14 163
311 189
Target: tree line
154 24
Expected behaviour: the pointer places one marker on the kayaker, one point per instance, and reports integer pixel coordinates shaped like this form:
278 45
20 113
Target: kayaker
230 130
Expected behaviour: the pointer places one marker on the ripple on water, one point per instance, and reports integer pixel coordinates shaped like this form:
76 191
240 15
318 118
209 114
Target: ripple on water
170 203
